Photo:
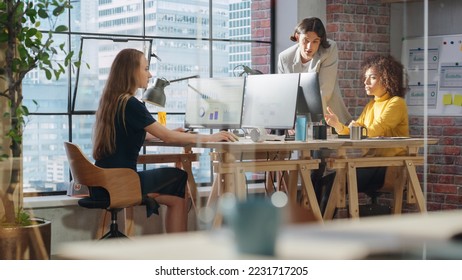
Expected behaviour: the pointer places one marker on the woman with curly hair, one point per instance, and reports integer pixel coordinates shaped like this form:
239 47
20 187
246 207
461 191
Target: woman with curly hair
385 115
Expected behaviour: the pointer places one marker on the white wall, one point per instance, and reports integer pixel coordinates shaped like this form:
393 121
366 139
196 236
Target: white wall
289 13
407 20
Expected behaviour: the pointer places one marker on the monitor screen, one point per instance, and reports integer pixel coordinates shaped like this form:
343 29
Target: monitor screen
270 101
215 103
309 99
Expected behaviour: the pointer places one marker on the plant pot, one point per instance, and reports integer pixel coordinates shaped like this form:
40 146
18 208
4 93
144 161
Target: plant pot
26 242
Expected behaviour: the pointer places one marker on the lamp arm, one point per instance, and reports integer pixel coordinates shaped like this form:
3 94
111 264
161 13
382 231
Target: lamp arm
185 78
154 55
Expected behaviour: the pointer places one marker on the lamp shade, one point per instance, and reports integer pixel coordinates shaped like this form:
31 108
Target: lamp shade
156 95
250 71
246 70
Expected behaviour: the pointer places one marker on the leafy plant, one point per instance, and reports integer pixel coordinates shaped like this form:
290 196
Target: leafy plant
22 218
24 47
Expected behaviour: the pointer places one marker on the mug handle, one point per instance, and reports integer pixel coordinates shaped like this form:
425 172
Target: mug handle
363 128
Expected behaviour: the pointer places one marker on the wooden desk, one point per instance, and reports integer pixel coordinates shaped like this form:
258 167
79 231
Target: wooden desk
346 172
233 159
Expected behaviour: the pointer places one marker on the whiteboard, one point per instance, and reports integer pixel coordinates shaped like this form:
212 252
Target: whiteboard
444 86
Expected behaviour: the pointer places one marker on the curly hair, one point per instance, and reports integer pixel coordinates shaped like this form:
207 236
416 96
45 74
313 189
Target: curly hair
312 24
390 71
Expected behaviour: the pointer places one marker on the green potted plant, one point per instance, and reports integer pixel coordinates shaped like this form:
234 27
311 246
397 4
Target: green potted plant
23 48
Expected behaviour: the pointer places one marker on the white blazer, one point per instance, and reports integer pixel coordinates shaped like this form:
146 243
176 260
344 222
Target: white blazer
325 62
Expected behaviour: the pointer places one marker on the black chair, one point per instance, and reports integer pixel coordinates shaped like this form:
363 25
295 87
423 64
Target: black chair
394 182
395 179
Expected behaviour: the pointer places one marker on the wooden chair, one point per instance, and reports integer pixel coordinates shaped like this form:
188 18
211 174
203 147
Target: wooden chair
121 186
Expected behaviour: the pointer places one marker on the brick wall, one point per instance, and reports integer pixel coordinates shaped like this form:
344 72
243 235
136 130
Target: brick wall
261 30
361 28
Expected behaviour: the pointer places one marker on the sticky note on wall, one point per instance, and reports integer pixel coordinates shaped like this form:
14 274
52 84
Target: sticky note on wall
447 99
458 99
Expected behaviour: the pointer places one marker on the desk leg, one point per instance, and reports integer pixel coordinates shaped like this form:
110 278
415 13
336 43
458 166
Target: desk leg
213 196
311 195
398 190
213 199
414 186
240 183
236 185
292 186
187 166
353 191
333 197
231 181
269 182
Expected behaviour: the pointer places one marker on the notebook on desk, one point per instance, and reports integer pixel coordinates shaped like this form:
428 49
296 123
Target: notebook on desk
347 136
289 137
388 138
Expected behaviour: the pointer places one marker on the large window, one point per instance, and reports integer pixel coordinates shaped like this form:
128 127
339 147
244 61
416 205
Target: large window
204 37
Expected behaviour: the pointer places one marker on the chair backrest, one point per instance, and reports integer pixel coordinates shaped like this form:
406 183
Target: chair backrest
395 176
122 184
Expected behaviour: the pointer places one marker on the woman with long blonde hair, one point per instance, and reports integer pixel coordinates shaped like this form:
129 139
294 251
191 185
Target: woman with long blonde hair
122 125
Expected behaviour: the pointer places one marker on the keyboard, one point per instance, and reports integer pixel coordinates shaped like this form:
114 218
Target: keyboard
244 139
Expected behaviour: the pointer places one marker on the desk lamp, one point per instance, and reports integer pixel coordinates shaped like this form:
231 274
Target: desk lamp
156 95
247 70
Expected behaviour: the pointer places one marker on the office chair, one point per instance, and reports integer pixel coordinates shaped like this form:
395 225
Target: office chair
394 182
112 189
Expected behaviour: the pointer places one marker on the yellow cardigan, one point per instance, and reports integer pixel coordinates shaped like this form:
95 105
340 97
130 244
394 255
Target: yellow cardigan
384 116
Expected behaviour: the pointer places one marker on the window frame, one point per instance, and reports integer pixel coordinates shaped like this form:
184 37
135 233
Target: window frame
72 78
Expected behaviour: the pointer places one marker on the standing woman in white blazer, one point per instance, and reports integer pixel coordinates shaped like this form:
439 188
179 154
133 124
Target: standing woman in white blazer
315 53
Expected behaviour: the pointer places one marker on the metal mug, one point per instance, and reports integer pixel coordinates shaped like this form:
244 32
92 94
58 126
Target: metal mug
358 132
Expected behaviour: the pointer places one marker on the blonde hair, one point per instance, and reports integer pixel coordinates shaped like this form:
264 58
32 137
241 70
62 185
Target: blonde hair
121 81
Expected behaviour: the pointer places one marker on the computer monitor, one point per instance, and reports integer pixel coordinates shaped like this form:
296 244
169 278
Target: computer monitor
309 99
215 103
270 101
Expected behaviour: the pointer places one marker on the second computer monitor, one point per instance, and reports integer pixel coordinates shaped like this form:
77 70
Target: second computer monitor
309 97
270 101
